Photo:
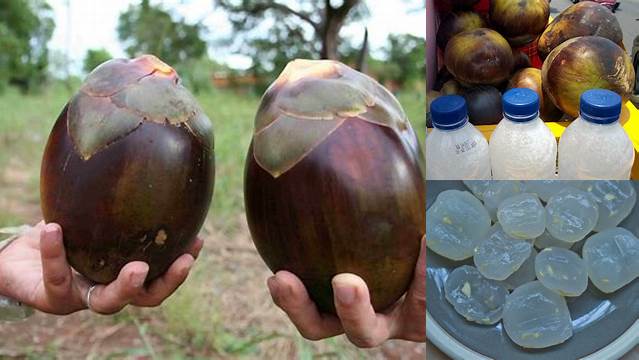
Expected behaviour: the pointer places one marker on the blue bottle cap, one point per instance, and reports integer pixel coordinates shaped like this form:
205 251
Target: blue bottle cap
449 112
600 106
520 104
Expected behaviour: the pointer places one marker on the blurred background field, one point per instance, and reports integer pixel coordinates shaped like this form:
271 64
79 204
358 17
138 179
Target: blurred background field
227 52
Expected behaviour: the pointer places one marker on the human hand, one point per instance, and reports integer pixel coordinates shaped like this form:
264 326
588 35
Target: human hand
355 315
34 271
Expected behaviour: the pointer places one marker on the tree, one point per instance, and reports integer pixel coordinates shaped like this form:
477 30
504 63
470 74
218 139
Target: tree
401 60
197 74
25 29
151 29
309 30
95 57
407 52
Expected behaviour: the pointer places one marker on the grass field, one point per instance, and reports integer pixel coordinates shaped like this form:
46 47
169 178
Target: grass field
223 310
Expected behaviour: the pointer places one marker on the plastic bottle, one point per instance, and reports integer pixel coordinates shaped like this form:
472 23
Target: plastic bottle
522 147
595 146
455 149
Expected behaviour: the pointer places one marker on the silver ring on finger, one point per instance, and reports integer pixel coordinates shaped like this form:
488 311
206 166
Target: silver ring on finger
88 298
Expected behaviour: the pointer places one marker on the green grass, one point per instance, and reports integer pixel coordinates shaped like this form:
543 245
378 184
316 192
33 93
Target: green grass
9 219
25 122
232 116
192 315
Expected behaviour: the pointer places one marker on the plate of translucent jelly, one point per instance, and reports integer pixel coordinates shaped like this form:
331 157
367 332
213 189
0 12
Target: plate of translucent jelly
532 269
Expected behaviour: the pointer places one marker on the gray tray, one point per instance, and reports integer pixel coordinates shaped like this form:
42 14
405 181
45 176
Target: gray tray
598 318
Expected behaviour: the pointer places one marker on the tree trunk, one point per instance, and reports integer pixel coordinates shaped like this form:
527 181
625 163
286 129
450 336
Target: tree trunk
330 41
333 21
362 63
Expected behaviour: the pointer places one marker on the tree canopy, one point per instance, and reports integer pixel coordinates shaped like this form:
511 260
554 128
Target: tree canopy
408 53
274 32
150 29
95 57
25 29
270 32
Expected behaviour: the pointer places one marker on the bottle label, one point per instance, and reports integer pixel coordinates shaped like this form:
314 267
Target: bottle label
466 146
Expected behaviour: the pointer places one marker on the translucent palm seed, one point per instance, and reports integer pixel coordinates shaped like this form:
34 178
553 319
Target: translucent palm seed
612 258
498 191
493 229
497 227
561 271
546 240
477 187
525 273
536 317
571 214
500 255
616 199
547 188
522 216
456 222
474 297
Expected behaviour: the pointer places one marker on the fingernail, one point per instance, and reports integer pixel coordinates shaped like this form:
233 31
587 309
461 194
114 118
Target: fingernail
273 287
50 229
345 294
137 279
187 269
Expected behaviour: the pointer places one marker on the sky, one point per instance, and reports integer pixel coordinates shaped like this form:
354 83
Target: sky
87 24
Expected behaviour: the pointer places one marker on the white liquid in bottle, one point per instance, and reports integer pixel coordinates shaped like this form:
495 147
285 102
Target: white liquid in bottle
522 147
455 149
595 146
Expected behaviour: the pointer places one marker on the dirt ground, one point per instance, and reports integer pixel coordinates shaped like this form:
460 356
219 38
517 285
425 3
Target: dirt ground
225 299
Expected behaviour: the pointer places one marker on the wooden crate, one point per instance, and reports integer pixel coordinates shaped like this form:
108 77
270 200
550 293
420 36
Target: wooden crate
629 120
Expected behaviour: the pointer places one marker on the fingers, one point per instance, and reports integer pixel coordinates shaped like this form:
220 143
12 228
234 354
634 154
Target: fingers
129 288
411 324
289 294
362 325
196 247
113 297
418 288
164 286
56 272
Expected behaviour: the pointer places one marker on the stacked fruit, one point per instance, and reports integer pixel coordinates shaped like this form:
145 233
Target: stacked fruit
487 53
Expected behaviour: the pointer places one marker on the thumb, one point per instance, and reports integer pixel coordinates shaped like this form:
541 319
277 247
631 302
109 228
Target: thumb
362 325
